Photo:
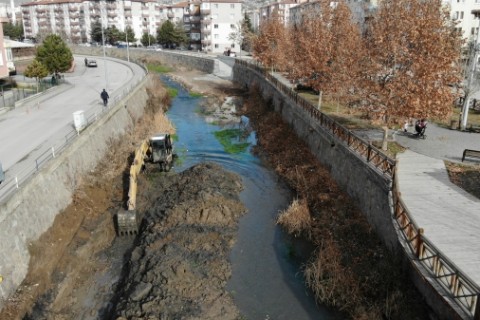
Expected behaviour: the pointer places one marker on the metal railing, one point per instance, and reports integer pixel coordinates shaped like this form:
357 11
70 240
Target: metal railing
13 183
458 285
372 155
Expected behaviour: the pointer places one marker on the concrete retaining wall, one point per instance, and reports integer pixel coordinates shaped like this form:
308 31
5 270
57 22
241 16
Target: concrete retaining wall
183 59
33 208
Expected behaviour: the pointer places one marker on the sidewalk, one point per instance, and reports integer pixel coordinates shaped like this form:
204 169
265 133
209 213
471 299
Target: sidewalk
449 215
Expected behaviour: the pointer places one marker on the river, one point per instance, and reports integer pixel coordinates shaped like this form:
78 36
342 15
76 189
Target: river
266 281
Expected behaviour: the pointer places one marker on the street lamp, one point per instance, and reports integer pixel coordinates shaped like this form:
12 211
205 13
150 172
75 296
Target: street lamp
472 71
104 54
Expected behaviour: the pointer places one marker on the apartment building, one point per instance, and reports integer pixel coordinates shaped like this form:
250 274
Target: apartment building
282 9
462 12
73 18
218 19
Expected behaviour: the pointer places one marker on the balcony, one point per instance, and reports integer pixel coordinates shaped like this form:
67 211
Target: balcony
206 42
128 14
112 15
127 8
170 14
206 31
40 10
27 23
111 6
95 14
74 23
144 23
195 19
74 16
205 11
58 10
26 18
72 9
25 11
206 22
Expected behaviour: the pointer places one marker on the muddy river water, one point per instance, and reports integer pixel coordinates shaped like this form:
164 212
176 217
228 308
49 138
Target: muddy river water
266 280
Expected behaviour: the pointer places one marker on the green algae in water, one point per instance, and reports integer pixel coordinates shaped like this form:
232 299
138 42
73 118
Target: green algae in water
194 94
229 138
172 92
158 68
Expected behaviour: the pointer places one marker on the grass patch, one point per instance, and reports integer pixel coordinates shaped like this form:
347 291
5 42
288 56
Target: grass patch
194 94
227 139
172 92
158 68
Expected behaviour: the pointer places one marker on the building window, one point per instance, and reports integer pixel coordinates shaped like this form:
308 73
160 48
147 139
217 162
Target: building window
215 26
232 26
215 16
216 36
232 16
232 5
216 45
216 6
461 14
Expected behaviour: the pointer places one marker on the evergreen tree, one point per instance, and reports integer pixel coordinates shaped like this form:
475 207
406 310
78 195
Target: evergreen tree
147 39
54 54
36 70
113 35
13 31
169 35
96 31
130 34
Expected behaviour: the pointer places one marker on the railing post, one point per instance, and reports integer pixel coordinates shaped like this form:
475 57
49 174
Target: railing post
16 181
369 148
36 164
53 152
476 313
419 244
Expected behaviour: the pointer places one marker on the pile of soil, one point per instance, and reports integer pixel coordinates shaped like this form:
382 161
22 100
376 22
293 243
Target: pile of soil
179 267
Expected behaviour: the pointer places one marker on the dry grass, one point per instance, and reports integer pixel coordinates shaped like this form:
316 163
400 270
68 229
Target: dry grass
296 218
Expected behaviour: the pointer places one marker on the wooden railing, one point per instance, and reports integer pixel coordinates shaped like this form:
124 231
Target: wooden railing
461 288
458 285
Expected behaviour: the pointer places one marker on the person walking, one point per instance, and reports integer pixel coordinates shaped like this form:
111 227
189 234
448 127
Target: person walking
86 61
104 95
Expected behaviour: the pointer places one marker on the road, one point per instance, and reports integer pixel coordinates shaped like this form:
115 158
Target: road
42 123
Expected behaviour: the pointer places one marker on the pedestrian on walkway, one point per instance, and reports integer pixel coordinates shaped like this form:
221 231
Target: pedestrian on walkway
86 61
104 95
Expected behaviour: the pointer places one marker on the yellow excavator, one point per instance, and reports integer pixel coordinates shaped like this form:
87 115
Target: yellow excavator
157 149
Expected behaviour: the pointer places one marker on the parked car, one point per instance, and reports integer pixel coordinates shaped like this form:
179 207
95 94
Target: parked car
92 63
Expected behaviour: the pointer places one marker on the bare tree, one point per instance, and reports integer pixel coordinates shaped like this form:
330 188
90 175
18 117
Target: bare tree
270 45
413 54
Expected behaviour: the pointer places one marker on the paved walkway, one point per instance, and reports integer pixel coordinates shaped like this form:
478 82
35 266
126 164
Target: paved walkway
449 215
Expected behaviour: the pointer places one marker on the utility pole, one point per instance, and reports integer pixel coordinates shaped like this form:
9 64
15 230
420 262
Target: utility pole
104 54
471 76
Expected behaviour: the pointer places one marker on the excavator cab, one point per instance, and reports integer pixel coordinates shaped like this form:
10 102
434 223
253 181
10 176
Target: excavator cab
161 150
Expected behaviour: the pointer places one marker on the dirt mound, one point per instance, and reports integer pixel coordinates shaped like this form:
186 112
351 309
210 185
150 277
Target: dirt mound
179 268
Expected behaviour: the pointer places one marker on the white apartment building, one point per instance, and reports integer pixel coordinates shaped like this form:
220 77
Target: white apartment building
461 12
74 18
218 19
282 9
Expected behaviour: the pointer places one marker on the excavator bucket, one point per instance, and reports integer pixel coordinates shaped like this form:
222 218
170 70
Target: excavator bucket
127 223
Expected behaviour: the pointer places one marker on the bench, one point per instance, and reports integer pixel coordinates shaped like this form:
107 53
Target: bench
471 154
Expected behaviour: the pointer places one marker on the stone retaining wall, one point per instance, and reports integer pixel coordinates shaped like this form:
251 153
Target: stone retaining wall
33 208
369 189
183 59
